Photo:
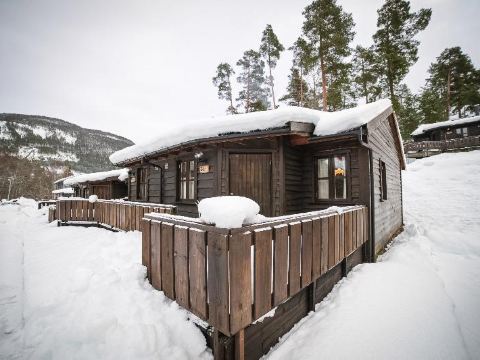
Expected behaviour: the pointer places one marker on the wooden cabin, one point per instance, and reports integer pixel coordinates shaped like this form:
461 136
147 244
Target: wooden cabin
448 130
106 184
60 190
289 160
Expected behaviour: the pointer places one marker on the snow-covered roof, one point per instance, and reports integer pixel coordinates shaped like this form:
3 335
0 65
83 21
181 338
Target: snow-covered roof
326 123
67 190
427 127
121 174
62 179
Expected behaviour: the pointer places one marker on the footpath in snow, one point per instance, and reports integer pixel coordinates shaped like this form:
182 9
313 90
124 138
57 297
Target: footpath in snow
421 300
80 293
77 293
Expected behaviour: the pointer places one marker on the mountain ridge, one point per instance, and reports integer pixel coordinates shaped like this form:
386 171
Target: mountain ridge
57 143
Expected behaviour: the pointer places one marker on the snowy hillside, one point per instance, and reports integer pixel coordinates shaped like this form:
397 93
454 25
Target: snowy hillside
56 142
76 292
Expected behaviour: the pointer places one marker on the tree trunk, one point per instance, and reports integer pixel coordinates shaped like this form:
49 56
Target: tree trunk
324 84
448 93
301 86
247 105
271 86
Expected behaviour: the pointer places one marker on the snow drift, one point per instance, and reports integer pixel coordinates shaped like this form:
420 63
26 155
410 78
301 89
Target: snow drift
228 211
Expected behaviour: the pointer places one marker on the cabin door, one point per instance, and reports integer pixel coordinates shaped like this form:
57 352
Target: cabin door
101 191
250 175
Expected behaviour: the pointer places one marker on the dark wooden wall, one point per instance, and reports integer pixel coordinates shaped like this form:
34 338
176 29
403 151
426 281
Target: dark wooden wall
388 213
299 175
448 133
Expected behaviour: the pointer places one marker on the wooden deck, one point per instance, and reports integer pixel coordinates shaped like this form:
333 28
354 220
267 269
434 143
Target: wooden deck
427 148
232 277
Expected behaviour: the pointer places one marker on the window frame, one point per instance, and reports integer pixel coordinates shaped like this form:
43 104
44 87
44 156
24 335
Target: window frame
383 180
188 180
331 178
139 184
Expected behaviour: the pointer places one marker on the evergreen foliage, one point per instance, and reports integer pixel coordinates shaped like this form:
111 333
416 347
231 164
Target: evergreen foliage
254 93
222 80
395 41
297 88
365 67
270 49
454 79
329 30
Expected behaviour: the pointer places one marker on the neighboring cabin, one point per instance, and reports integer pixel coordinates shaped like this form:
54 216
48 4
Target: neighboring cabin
447 130
106 184
60 190
289 160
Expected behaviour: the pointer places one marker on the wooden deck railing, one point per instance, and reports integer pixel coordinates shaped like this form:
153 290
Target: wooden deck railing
443 145
123 215
231 277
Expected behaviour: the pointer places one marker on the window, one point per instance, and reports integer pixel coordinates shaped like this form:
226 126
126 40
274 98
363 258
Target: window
331 178
462 131
142 183
383 181
186 180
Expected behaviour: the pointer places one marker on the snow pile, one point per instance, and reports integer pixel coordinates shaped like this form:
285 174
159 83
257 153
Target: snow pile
420 300
74 292
93 198
426 127
120 174
228 211
67 190
326 123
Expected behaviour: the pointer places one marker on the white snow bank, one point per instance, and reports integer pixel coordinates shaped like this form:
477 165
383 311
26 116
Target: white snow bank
425 127
80 293
120 174
326 123
420 300
93 198
228 211
67 190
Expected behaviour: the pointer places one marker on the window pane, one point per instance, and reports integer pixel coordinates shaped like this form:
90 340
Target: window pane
465 132
458 131
340 188
191 190
340 169
183 190
322 168
192 169
323 189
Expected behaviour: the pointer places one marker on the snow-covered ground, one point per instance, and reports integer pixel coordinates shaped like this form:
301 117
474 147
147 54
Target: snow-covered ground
80 293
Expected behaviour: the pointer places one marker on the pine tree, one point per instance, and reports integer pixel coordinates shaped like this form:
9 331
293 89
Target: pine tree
395 40
341 93
365 74
454 77
408 112
270 49
329 30
297 89
432 106
222 81
254 94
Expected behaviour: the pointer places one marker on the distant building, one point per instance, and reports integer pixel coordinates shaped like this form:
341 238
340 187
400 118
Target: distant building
447 130
106 184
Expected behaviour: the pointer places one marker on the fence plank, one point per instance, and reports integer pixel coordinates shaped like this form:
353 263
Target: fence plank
348 233
198 272
331 241
316 248
280 264
263 272
341 230
218 294
359 228
337 239
181 265
295 249
325 246
146 246
307 252
354 230
168 271
240 281
156 255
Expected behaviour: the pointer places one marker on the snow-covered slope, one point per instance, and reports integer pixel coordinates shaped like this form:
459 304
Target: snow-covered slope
56 142
421 299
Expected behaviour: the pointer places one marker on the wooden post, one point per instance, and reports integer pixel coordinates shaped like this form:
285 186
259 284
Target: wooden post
218 351
240 345
311 296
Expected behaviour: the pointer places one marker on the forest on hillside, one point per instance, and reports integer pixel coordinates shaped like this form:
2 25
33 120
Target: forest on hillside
330 73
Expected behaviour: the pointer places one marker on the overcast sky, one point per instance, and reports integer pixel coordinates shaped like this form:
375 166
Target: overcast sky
136 67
